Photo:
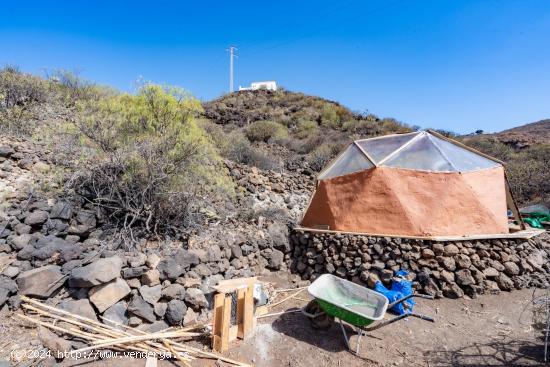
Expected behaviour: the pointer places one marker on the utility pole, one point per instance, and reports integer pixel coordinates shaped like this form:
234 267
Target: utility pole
231 50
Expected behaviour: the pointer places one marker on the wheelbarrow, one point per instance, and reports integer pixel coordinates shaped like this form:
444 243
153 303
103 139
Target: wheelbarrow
360 307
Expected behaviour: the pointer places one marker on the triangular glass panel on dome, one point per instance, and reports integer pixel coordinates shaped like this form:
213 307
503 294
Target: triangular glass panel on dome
463 159
422 154
351 160
380 148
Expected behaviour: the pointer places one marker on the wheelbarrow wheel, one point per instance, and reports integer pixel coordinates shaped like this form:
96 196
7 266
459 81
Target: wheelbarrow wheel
322 321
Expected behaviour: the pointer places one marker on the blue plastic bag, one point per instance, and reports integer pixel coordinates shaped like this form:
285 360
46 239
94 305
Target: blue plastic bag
400 287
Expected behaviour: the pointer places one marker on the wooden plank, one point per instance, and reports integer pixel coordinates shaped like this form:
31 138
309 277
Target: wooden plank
226 323
248 318
526 234
241 293
219 300
511 202
231 285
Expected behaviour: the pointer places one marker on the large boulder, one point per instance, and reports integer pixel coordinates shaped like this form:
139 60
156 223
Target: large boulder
173 266
40 282
6 151
99 272
279 236
81 307
105 295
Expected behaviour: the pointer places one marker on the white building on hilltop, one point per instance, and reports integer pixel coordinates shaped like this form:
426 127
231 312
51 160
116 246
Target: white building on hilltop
269 85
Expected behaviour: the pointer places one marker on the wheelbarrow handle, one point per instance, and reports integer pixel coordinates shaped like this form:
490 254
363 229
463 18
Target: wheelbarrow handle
397 318
408 297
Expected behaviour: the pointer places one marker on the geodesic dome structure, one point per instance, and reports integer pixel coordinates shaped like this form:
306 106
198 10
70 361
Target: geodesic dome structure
417 184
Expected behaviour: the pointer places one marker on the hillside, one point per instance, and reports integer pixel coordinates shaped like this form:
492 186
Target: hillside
526 151
292 127
525 135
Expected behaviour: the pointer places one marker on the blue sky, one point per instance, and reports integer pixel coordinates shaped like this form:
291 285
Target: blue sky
457 65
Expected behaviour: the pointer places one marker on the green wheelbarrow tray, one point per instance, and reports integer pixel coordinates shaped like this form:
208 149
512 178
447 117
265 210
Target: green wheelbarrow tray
356 305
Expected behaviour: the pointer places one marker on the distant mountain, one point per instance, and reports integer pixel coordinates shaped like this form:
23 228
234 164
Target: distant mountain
533 133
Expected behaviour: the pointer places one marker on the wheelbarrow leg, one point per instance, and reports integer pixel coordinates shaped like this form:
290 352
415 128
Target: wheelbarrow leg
359 335
344 332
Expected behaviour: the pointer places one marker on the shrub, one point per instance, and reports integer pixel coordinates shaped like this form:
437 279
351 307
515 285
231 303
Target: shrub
150 165
330 117
265 130
320 157
20 94
305 128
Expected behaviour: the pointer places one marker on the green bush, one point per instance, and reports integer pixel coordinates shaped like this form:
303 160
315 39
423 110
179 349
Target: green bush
149 164
320 157
305 128
20 95
330 117
265 130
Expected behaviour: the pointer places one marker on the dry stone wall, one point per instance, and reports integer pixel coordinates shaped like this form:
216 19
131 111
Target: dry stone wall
441 269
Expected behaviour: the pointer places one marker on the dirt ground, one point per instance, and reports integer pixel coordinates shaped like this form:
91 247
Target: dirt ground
492 330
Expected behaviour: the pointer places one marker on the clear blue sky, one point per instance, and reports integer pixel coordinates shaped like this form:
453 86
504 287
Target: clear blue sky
458 65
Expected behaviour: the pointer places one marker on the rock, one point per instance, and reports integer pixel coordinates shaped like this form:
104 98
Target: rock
134 321
195 298
450 250
213 254
81 307
151 278
53 342
491 272
19 242
279 236
137 260
62 210
190 317
174 291
133 283
40 167
511 268
157 326
11 271
22 228
117 314
447 276
36 218
4 295
236 251
175 312
105 295
40 282
150 294
152 261
86 219
276 259
128 273
174 266
99 272
449 263
6 151
505 283
160 309
139 307
452 290
428 254
464 277
371 281
463 261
